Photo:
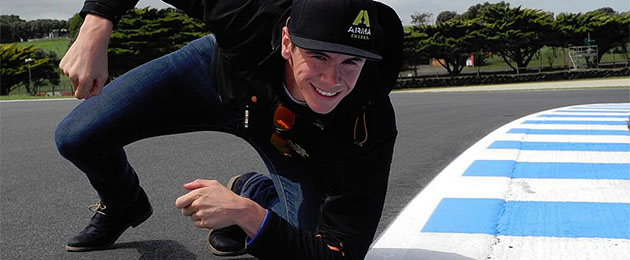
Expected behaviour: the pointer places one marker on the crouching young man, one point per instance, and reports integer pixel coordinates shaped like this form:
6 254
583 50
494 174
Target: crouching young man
305 82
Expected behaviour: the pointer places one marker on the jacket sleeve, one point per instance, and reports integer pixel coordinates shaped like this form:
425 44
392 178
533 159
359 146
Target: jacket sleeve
350 211
236 22
112 10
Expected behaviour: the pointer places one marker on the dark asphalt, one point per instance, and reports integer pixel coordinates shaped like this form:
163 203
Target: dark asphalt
44 199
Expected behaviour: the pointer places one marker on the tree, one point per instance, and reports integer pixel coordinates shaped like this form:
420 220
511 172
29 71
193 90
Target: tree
411 56
445 16
451 43
475 11
608 31
145 34
15 65
45 74
12 28
516 34
418 19
550 54
605 10
74 24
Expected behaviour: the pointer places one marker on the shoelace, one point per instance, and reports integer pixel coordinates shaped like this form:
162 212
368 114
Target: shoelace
99 207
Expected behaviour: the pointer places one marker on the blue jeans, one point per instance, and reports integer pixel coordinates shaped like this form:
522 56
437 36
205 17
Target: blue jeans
175 94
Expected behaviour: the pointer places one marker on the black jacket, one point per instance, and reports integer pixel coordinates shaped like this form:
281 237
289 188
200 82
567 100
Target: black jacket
350 148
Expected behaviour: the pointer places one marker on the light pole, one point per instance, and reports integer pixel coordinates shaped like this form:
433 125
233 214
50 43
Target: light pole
28 61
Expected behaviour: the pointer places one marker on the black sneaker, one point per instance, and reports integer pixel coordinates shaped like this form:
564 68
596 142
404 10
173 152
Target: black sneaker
227 241
107 225
230 241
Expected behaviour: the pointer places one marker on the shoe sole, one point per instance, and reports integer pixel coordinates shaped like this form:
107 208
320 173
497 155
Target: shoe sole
223 253
133 224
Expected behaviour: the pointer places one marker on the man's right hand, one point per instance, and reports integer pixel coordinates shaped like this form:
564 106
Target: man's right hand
85 63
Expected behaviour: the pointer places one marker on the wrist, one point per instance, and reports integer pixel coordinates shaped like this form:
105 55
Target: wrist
96 26
251 217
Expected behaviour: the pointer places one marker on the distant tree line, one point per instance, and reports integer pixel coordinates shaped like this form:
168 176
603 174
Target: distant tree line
14 29
515 34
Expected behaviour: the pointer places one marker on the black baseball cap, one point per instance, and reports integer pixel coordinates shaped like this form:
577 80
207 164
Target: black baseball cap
341 26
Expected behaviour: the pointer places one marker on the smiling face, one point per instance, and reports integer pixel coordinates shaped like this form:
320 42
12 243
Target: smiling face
322 79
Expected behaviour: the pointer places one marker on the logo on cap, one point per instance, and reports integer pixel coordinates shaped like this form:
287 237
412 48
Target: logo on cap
360 28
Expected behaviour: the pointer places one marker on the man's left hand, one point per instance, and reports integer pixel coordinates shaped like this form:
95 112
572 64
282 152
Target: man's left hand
211 205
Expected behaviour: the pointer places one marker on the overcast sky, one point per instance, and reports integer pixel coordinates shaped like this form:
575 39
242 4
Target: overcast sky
64 9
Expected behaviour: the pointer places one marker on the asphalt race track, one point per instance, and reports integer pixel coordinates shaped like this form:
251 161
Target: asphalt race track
44 199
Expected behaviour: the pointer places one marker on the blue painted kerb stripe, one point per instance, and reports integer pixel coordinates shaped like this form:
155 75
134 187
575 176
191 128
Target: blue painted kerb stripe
548 170
531 218
554 146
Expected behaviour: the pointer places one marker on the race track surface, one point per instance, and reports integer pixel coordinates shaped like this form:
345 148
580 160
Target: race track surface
44 199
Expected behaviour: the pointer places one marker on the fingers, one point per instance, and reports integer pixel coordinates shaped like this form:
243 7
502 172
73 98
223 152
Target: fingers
185 200
199 222
82 89
75 82
87 89
74 79
208 204
199 183
97 87
188 211
84 86
196 217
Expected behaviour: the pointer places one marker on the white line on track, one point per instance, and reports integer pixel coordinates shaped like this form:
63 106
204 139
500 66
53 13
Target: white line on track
566 138
38 100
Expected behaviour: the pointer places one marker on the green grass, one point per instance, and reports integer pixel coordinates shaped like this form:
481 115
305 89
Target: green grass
64 85
58 45
496 62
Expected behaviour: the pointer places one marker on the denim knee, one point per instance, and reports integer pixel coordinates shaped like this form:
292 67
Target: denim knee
66 139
